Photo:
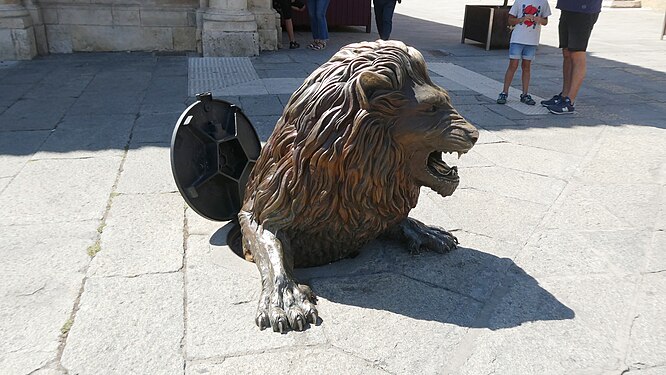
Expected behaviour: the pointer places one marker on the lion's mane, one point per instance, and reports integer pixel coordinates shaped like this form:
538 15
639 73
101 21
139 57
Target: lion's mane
331 170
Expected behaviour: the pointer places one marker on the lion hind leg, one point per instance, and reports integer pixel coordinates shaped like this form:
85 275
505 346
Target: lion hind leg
283 303
419 236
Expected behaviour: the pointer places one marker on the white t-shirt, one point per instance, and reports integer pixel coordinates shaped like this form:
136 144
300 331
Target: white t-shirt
528 32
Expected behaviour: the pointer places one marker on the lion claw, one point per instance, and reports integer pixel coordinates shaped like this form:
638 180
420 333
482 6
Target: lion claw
262 320
284 313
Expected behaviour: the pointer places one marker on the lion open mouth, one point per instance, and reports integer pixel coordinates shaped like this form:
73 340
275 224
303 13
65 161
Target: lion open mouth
439 169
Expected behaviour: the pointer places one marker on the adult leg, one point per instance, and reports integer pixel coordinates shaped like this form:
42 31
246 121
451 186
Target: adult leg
575 66
577 75
387 19
290 29
322 6
312 7
379 16
508 76
567 66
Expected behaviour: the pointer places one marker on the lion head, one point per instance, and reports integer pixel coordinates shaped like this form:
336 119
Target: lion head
355 143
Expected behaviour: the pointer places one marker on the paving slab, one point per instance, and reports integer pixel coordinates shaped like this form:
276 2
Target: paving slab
128 326
567 333
648 328
398 311
319 360
156 127
43 267
261 105
656 260
89 142
16 148
469 208
48 191
575 140
531 159
4 181
142 234
513 184
147 170
585 252
605 207
222 295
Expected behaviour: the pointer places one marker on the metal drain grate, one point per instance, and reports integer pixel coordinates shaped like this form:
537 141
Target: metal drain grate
485 86
214 74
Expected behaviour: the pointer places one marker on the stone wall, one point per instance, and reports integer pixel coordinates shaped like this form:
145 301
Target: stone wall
214 27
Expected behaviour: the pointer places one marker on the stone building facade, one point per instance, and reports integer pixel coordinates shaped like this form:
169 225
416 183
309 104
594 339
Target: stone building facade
210 27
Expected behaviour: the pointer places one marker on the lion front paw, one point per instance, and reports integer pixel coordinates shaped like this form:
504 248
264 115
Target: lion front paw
422 237
286 305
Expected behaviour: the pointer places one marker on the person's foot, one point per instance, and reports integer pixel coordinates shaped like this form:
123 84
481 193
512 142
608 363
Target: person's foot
317 45
527 99
554 100
502 98
293 45
562 108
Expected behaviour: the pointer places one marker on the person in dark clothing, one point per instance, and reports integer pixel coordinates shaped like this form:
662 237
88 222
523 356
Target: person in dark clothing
384 17
284 7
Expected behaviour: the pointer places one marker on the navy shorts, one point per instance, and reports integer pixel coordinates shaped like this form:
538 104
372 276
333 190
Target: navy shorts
575 29
283 7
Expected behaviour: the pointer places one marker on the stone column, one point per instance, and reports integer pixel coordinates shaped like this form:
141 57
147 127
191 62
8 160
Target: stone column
268 24
229 29
17 35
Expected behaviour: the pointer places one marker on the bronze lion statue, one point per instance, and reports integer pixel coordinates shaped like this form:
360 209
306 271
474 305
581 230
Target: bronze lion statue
343 166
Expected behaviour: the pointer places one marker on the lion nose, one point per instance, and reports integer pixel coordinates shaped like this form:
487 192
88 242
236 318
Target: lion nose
466 130
474 134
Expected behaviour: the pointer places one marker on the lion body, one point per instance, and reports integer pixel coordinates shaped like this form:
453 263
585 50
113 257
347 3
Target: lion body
333 176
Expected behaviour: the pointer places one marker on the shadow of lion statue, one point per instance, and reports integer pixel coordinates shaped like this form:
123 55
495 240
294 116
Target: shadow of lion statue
343 166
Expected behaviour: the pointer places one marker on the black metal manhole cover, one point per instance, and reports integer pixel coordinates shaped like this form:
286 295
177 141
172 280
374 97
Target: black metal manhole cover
213 150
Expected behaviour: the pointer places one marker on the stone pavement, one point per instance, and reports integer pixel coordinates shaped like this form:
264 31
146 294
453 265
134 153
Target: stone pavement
561 269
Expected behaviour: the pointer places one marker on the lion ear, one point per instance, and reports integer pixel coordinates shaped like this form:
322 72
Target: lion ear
370 84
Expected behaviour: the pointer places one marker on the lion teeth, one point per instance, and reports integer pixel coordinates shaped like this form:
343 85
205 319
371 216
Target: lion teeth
459 154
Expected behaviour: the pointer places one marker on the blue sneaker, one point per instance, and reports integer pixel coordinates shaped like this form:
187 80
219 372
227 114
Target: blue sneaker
564 107
554 100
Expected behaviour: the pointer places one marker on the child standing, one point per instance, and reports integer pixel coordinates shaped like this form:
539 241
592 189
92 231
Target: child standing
527 16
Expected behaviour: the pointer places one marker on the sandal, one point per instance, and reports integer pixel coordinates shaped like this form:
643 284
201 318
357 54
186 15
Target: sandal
317 45
293 45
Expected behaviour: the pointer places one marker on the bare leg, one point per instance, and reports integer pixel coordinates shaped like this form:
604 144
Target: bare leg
290 29
508 76
526 68
578 71
566 71
283 302
420 236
